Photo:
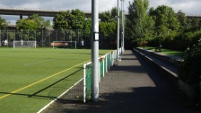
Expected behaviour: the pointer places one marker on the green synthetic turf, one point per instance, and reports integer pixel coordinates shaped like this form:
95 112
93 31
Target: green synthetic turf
31 78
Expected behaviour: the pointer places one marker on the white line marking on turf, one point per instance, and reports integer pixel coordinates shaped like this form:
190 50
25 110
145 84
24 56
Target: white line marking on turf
45 107
39 81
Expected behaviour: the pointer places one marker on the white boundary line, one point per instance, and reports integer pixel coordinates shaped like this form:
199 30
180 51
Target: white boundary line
45 107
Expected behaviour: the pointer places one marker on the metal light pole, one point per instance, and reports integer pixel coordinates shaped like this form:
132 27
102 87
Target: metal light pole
95 51
123 25
117 57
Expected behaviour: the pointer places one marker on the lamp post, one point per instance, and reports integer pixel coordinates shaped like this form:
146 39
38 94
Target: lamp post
122 32
95 52
117 57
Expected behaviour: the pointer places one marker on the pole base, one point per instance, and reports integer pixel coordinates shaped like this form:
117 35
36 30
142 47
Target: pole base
116 63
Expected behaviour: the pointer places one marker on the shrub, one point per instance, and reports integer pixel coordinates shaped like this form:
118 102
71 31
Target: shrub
190 70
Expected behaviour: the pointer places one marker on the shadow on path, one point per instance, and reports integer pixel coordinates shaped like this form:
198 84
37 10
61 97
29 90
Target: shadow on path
131 87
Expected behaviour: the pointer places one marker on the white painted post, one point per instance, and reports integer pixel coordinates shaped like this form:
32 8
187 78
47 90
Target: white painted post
84 83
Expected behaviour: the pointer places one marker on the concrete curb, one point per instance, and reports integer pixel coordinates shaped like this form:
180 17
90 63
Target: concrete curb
169 75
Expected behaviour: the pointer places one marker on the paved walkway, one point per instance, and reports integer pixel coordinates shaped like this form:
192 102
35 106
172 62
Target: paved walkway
131 87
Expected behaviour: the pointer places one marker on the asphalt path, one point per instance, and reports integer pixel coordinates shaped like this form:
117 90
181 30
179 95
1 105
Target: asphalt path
131 87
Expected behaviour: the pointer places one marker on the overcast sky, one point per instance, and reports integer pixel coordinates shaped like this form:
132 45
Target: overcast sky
187 6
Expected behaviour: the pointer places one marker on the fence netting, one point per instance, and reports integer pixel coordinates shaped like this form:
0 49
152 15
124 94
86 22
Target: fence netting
43 37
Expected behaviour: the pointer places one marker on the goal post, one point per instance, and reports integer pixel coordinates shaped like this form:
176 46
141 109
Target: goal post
24 44
64 44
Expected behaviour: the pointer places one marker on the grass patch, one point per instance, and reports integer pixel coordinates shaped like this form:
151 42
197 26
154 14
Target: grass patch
172 52
31 78
165 51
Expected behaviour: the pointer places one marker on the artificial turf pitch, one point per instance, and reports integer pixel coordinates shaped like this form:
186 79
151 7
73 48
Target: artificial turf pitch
31 78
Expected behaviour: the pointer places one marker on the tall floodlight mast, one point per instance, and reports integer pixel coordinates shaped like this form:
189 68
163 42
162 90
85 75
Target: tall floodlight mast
117 57
123 26
95 51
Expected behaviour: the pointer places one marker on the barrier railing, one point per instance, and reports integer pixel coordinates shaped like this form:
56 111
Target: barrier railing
105 62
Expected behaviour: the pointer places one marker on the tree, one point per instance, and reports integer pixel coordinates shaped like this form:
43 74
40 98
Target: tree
108 34
109 16
62 20
3 23
108 28
32 23
78 19
165 19
106 16
139 23
195 23
182 19
87 32
74 19
87 27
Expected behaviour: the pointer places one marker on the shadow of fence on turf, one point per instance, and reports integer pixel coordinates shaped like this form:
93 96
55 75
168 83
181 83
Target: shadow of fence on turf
21 94
35 94
43 89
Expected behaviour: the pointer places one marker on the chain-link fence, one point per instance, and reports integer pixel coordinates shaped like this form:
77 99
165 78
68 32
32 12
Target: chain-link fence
44 38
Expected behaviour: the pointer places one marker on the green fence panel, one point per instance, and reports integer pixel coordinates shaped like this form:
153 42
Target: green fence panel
105 63
88 81
101 68
109 62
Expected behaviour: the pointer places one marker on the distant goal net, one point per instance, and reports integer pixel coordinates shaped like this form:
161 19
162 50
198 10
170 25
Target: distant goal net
24 44
64 44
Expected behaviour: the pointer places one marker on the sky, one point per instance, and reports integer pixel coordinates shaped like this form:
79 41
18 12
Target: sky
187 6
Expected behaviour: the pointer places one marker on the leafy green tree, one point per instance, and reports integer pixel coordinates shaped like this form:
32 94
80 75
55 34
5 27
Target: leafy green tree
26 24
87 27
195 22
87 32
108 22
165 19
74 19
139 23
62 20
108 34
107 28
32 23
106 16
114 12
3 23
78 19
109 16
182 19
